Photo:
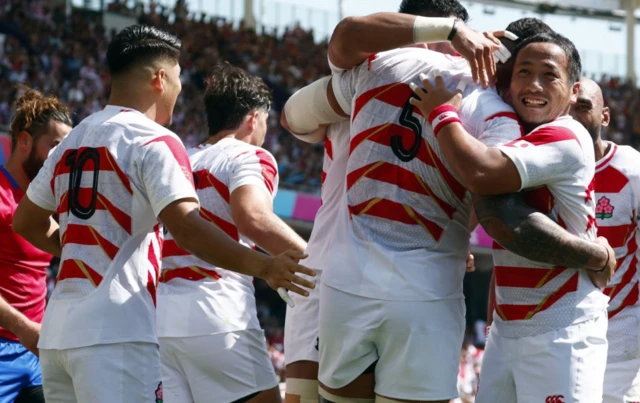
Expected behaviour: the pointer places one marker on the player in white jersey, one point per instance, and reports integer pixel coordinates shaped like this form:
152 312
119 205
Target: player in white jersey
109 181
301 326
546 316
617 213
211 343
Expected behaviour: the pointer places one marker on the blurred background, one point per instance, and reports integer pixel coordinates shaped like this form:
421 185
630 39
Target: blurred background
59 46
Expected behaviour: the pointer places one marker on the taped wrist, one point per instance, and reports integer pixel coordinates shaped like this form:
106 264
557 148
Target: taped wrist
432 29
442 116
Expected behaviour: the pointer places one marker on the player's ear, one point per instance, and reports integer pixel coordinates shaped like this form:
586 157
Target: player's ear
159 80
606 116
253 120
574 93
24 141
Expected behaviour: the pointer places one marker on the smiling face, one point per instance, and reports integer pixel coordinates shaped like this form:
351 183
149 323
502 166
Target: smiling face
541 87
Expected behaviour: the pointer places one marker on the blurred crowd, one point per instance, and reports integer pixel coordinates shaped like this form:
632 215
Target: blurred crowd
65 55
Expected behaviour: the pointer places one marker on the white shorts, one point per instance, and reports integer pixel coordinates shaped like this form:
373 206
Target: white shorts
301 327
221 367
416 344
104 373
566 365
622 377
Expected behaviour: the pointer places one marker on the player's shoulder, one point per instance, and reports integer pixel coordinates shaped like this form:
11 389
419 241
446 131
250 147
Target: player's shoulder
561 129
484 104
625 159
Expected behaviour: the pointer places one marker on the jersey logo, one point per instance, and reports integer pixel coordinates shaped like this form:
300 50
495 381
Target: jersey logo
159 398
604 209
554 399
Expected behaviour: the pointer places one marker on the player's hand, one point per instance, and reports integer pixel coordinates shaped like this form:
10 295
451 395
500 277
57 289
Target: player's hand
280 271
471 263
433 96
28 334
601 279
478 50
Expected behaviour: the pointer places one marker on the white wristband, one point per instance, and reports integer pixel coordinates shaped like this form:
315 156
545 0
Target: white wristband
431 29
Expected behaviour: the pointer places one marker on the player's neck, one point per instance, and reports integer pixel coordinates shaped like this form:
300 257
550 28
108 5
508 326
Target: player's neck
226 134
601 148
14 167
139 103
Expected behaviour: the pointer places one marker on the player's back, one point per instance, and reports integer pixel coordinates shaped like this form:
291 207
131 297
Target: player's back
556 164
617 212
197 298
406 216
110 178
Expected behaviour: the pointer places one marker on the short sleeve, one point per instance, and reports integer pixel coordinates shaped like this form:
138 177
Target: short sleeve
545 156
257 168
500 129
41 189
344 88
166 173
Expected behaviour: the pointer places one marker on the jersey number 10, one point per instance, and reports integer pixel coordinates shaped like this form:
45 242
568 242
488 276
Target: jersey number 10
76 161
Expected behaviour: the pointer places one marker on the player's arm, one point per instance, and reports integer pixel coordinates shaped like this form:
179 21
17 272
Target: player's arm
523 230
356 38
36 225
27 331
252 211
321 103
483 170
206 241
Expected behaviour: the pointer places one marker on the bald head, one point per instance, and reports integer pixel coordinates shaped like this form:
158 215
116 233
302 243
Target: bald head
589 109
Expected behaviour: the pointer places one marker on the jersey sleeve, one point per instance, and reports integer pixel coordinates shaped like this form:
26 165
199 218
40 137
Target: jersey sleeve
545 156
165 172
257 168
500 129
344 87
41 190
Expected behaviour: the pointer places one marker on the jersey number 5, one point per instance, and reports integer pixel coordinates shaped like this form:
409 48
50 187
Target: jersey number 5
77 195
411 122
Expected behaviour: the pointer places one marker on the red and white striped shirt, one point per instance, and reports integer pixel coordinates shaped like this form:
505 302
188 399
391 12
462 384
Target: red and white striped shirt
194 297
403 233
556 164
108 180
617 213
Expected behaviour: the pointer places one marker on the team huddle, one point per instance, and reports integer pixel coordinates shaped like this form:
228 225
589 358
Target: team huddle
430 128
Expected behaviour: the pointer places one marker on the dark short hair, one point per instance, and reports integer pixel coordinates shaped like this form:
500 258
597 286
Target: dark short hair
140 44
527 27
231 94
33 112
574 66
434 8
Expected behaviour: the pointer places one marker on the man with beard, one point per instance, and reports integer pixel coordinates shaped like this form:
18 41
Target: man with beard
38 125
617 208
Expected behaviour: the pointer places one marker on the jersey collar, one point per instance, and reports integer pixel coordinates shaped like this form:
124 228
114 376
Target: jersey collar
604 161
10 178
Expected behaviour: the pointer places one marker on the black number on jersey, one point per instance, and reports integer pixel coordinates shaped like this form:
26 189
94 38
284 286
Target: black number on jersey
411 122
76 163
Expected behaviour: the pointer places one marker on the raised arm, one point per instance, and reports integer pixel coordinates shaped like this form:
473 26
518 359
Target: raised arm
356 38
527 232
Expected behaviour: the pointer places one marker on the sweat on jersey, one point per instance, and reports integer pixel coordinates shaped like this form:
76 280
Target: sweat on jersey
556 164
403 232
196 298
108 180
618 213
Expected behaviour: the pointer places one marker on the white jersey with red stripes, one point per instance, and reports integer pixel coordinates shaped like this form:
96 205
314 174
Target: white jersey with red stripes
196 298
556 164
617 213
403 233
108 181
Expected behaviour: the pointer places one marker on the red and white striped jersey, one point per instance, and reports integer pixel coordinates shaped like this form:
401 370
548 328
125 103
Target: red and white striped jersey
108 181
556 164
617 212
196 298
403 233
